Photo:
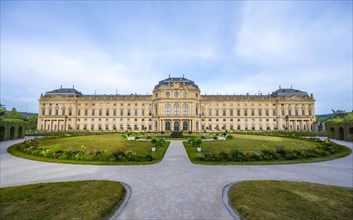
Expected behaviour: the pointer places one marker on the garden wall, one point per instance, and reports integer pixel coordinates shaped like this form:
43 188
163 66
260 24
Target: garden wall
11 129
340 131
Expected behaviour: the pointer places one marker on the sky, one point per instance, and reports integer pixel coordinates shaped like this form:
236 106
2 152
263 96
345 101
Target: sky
226 47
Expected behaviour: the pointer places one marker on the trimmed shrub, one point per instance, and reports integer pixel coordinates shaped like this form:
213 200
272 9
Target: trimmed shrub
176 134
229 137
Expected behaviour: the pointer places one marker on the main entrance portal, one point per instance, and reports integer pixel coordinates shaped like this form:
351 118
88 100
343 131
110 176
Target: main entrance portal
176 126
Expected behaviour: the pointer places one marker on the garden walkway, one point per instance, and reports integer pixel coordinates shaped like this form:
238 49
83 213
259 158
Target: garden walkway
174 188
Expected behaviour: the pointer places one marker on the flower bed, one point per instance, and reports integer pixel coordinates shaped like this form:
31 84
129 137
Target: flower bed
324 148
31 147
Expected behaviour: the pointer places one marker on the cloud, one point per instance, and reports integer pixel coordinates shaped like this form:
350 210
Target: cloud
226 48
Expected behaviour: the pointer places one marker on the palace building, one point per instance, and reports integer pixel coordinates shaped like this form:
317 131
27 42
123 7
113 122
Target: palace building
176 104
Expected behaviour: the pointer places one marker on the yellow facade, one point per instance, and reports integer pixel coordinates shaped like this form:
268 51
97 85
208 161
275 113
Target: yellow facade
176 104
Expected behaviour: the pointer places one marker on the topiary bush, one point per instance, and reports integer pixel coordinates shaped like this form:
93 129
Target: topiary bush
176 134
229 137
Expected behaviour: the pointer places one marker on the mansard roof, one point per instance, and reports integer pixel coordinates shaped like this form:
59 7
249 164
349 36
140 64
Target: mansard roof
287 93
183 80
65 92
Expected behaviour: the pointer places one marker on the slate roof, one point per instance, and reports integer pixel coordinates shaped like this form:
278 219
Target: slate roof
65 92
289 93
187 82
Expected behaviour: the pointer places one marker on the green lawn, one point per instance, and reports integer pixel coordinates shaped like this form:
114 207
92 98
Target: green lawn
98 142
247 143
291 200
63 200
256 143
107 142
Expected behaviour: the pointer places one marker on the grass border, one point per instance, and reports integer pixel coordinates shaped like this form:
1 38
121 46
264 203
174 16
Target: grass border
343 152
15 152
114 209
236 215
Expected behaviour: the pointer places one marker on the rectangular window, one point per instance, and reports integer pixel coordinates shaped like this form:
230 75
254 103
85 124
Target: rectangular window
273 112
63 112
203 112
86 112
107 112
224 112
56 112
267 112
70 112
121 112
114 112
128 112
185 110
260 112
100 112
309 112
143 112
245 112
79 112
238 112
150 113
303 112
296 112
217 112
231 112
43 112
167 110
49 111
283 112
197 111
289 112
209 112
135 112
176 110
252 112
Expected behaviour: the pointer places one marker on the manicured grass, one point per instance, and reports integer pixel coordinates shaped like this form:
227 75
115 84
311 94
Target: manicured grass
291 200
62 200
254 143
108 142
248 143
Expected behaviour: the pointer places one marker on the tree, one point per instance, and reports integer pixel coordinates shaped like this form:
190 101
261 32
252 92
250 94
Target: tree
13 114
2 110
32 122
338 113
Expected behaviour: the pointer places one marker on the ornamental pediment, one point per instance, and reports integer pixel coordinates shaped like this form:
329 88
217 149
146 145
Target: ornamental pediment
296 97
57 98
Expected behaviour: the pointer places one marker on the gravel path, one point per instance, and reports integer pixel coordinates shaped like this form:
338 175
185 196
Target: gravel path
174 188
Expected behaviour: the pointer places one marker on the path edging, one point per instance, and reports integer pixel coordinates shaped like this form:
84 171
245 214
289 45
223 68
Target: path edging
123 204
232 211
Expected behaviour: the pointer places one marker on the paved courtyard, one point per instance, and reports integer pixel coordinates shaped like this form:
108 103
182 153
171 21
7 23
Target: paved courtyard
174 188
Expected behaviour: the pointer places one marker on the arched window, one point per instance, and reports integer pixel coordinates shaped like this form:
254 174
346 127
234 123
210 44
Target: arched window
185 125
167 125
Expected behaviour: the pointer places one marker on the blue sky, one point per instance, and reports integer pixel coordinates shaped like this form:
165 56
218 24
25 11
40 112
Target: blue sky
225 47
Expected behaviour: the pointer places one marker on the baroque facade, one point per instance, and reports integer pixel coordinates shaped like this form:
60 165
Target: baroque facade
176 104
